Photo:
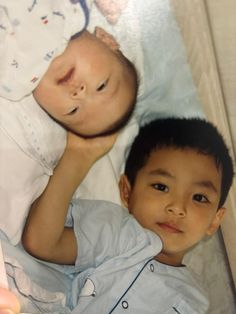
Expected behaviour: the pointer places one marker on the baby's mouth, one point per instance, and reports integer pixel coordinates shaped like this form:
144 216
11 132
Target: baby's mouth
66 78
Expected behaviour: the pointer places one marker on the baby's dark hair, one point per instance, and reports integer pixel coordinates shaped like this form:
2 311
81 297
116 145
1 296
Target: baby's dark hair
181 133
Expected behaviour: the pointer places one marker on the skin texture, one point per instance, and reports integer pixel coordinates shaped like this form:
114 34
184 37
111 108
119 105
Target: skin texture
8 302
88 87
176 195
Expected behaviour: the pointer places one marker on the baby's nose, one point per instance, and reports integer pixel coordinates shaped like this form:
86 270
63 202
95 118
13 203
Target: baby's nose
79 91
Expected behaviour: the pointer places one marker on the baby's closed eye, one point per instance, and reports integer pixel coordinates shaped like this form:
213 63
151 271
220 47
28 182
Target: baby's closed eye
102 85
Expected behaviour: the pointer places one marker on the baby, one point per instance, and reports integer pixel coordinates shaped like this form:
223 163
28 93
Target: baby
81 79
91 87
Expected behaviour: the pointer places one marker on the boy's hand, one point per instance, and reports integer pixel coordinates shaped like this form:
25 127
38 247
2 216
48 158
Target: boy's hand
8 302
90 149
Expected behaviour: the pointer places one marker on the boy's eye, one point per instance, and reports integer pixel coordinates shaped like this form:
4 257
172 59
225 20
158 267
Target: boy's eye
102 86
73 111
200 198
160 187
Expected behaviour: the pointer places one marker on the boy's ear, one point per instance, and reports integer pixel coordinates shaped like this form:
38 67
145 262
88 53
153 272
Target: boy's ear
125 189
216 221
106 38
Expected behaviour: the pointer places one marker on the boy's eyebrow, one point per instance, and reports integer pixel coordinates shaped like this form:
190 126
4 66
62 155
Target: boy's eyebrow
207 184
161 172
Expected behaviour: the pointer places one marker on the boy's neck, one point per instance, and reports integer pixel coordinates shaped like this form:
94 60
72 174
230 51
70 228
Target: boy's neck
170 259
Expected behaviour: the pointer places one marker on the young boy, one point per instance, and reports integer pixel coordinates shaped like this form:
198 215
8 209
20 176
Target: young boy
177 177
81 79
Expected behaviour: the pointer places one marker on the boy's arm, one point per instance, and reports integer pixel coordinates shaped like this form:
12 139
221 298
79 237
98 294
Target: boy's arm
44 234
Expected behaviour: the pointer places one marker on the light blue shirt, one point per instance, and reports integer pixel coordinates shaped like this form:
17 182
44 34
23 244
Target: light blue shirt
118 272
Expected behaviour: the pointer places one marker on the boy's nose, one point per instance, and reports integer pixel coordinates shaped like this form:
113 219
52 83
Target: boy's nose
78 91
177 209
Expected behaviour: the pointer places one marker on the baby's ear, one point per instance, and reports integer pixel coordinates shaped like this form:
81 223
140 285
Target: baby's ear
216 221
106 38
125 189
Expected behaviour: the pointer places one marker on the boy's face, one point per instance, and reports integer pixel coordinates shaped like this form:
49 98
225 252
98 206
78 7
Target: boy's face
176 195
85 87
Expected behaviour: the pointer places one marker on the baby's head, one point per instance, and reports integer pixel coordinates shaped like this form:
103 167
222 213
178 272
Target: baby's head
91 88
177 177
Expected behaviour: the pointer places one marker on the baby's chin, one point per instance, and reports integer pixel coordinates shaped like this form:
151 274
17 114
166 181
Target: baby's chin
9 303
85 132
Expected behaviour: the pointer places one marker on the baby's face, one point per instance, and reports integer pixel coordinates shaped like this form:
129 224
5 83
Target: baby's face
85 88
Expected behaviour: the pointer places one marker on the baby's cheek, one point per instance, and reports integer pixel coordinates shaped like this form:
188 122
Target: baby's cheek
8 302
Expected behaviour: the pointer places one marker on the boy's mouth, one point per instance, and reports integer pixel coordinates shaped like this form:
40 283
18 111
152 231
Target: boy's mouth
66 78
169 227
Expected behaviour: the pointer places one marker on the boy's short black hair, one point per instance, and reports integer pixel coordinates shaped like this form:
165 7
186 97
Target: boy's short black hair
181 133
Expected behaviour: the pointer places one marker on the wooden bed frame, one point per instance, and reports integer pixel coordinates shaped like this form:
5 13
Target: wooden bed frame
193 22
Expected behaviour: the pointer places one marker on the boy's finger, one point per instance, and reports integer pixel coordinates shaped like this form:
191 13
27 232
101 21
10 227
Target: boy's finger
7 311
